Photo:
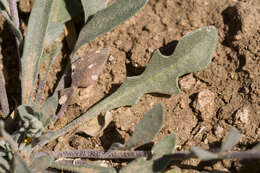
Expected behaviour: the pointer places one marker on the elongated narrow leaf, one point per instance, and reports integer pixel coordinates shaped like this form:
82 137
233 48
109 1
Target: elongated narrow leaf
55 29
16 31
48 58
92 6
3 94
193 53
231 139
33 46
107 19
81 167
65 10
5 5
19 165
203 154
147 128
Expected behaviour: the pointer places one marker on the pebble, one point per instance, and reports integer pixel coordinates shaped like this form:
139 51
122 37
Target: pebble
204 104
243 115
187 82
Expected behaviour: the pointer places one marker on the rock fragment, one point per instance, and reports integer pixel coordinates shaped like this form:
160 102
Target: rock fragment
204 104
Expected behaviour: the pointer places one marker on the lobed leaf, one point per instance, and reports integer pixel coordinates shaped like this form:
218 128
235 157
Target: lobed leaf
92 6
231 139
193 53
107 19
33 46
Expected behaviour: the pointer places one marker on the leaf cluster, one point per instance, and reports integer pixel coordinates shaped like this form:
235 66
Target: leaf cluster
19 148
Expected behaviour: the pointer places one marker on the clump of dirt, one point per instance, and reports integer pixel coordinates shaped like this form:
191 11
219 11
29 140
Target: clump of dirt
226 94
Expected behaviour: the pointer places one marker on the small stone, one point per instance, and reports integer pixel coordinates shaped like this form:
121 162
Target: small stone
187 82
205 104
243 115
218 131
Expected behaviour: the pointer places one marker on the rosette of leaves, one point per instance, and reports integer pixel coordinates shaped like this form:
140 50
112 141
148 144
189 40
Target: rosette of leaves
19 146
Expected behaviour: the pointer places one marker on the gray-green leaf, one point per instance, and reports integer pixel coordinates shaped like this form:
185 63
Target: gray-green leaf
33 46
147 128
231 139
203 154
162 151
41 162
65 10
193 53
3 10
140 165
107 19
19 165
92 6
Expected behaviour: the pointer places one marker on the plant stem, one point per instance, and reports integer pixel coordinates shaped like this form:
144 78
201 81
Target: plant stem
178 155
98 154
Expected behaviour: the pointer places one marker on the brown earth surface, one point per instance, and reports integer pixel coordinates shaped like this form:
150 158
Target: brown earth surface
225 94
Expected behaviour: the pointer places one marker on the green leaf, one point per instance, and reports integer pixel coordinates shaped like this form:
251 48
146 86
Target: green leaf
140 165
231 139
55 29
81 167
19 165
107 19
5 5
33 46
193 53
164 146
92 6
147 128
162 151
3 10
41 162
49 58
65 10
49 109
31 118
203 154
